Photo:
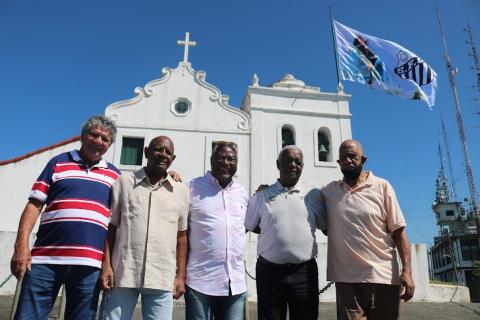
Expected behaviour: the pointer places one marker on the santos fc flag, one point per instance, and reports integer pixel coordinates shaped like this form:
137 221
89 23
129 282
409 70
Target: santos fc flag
383 64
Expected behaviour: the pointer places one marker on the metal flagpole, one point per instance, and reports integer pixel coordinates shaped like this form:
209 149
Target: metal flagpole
334 36
339 84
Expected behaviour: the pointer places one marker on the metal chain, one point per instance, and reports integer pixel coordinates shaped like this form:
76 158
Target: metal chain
5 281
320 292
326 287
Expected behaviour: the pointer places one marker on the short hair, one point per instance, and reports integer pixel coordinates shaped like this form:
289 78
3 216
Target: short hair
219 145
100 121
286 148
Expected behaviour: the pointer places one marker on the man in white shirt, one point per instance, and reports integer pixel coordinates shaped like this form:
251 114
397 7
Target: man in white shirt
216 284
286 216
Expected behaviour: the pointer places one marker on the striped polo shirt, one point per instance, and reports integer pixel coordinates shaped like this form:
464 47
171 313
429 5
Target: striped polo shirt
74 224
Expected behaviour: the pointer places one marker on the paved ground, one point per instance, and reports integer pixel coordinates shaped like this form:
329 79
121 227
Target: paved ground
411 310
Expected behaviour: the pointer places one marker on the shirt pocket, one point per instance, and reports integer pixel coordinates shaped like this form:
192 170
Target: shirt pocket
170 211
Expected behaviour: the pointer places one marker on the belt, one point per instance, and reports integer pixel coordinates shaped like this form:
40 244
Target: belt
283 265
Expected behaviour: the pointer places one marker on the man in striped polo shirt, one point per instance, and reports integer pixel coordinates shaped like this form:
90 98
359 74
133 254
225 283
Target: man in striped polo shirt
75 188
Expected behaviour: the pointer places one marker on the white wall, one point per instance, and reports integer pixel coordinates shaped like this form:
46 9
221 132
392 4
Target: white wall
306 113
17 180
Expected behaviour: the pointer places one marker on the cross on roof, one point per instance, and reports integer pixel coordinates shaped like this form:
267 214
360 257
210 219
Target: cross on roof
187 43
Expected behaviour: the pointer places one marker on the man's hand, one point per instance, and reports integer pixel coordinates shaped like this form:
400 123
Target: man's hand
261 187
178 287
106 280
21 261
406 285
175 176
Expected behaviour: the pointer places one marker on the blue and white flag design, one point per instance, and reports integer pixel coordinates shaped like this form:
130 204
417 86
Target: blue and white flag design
383 64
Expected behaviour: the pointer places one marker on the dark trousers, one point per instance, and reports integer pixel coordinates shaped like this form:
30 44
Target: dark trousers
373 301
282 285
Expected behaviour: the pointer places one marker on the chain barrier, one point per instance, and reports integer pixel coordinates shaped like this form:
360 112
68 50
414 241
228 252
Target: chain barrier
5 281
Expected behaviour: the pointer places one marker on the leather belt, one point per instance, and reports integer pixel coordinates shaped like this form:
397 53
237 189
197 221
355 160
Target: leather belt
282 265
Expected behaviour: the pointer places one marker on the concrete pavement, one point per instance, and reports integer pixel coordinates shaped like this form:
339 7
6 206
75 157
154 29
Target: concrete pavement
411 310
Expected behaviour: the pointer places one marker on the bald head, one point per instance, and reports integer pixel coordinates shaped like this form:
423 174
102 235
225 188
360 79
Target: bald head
161 139
350 143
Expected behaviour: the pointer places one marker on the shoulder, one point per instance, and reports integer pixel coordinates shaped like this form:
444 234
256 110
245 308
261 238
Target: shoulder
62 157
179 186
330 186
381 182
196 181
124 179
111 167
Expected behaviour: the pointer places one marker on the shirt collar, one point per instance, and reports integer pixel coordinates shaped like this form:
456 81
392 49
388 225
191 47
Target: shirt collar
75 155
368 182
214 181
141 175
296 188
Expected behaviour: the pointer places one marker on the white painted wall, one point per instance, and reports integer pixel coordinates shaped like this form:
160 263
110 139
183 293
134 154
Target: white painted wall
17 180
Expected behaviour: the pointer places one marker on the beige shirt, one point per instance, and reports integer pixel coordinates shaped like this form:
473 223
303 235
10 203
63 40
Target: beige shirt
288 220
147 219
360 223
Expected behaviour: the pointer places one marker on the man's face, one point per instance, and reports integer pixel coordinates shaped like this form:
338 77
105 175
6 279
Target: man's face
224 165
351 160
95 142
290 166
160 155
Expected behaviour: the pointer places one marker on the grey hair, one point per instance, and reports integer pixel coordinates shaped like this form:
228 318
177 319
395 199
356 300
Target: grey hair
286 148
224 144
100 121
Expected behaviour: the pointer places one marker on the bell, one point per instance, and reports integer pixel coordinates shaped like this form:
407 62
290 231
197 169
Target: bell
322 149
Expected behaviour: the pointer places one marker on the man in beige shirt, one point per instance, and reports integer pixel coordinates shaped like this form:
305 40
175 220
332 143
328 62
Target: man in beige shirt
147 242
365 224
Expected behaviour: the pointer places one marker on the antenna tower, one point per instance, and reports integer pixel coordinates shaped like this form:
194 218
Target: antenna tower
463 138
473 54
449 159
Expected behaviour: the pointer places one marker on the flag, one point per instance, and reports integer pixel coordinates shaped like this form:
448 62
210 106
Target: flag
383 64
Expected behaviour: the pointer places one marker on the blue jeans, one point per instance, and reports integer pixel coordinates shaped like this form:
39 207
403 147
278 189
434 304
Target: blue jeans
41 285
199 306
119 304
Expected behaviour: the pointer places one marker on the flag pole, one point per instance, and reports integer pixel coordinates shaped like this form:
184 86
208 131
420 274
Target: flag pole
334 37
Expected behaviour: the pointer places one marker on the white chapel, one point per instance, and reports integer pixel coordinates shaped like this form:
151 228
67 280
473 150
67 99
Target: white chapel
182 105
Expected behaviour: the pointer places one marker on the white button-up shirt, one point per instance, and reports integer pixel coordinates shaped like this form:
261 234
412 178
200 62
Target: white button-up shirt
216 237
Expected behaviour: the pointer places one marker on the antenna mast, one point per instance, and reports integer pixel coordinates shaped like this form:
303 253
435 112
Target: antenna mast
449 159
474 53
463 139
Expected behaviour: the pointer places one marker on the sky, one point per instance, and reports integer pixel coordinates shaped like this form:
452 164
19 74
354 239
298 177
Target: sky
63 61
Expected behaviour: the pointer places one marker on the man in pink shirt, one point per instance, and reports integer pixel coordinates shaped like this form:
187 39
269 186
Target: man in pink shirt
216 284
365 224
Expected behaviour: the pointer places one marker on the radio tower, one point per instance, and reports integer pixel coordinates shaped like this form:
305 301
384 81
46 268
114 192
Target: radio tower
449 159
474 54
463 138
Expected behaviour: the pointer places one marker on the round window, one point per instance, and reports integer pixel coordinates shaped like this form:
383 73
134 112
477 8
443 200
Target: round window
181 107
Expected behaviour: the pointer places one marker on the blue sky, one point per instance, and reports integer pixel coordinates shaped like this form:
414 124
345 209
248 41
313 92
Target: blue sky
63 61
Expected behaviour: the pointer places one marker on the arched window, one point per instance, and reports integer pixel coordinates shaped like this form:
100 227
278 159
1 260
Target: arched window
323 146
288 136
